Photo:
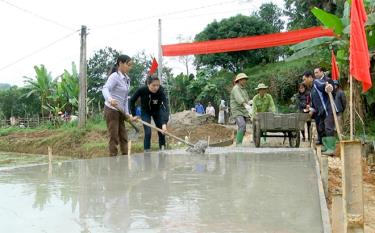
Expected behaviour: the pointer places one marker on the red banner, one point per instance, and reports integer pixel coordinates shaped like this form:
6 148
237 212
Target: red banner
359 56
245 43
335 73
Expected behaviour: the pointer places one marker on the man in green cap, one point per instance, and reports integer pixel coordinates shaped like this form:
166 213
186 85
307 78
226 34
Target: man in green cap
239 105
263 102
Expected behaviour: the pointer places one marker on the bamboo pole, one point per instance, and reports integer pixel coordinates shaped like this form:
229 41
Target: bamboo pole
335 115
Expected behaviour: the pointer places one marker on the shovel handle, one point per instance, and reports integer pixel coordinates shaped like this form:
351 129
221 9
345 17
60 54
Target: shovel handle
128 120
334 115
166 133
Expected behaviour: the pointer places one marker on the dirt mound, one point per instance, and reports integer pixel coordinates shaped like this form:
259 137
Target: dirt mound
217 133
189 118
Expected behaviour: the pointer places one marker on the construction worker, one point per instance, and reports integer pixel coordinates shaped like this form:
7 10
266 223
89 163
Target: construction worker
262 102
240 108
154 104
115 92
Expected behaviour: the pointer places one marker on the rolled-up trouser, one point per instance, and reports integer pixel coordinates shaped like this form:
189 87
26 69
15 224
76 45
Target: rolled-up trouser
241 123
116 130
157 117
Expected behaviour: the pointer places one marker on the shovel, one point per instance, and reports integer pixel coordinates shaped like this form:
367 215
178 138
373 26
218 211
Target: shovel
198 148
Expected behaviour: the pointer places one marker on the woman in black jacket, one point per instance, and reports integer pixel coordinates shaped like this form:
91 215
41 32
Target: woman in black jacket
303 105
153 104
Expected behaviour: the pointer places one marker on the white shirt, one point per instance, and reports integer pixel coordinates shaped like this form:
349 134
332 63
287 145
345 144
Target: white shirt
210 110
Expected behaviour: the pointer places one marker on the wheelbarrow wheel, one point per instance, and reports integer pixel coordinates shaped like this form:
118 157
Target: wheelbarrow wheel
294 138
256 133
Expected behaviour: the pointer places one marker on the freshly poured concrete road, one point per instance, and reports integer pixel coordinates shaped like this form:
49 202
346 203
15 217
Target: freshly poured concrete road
255 192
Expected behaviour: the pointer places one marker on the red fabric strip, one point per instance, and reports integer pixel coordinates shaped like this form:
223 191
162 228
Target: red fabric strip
245 43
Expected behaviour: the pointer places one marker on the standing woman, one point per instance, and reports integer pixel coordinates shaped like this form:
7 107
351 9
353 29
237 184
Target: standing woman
240 108
153 104
115 92
303 105
222 110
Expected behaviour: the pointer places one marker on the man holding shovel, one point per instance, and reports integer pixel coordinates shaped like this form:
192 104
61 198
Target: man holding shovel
322 111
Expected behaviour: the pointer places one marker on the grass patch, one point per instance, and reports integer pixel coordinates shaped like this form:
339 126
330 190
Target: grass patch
95 145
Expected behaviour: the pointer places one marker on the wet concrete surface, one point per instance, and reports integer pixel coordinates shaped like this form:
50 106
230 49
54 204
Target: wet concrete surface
262 190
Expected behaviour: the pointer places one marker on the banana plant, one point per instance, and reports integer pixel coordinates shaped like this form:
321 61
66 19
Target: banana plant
340 43
70 87
41 85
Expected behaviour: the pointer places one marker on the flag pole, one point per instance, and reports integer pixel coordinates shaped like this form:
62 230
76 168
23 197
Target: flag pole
160 56
351 108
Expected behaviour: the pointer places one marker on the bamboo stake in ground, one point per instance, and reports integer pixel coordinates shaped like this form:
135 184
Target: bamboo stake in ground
129 147
319 154
49 153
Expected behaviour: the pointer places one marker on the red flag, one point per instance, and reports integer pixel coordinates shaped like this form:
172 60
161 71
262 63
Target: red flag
359 55
154 66
335 73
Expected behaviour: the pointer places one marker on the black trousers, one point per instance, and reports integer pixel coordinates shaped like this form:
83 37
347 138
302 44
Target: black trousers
325 125
157 117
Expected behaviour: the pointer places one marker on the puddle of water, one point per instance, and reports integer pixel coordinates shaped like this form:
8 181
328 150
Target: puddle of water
8 160
270 192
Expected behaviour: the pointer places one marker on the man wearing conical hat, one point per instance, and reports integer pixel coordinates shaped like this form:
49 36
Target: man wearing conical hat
239 106
263 102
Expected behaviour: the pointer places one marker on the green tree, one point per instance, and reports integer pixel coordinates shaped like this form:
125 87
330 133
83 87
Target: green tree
98 69
272 14
299 12
13 102
65 93
70 88
237 26
41 85
180 98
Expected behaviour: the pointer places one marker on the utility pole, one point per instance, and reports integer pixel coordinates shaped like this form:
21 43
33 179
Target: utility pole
82 80
160 54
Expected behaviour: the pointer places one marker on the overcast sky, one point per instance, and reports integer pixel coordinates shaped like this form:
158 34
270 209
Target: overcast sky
129 26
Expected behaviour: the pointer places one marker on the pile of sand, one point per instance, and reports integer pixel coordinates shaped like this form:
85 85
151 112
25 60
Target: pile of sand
189 118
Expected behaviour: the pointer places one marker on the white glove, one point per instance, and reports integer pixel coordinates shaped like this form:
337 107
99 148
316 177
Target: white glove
248 108
329 88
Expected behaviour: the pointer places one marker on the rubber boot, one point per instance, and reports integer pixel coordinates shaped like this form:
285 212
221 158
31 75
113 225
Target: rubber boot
330 144
239 137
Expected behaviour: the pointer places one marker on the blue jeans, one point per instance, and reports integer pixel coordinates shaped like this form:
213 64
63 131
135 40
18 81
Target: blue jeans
157 117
